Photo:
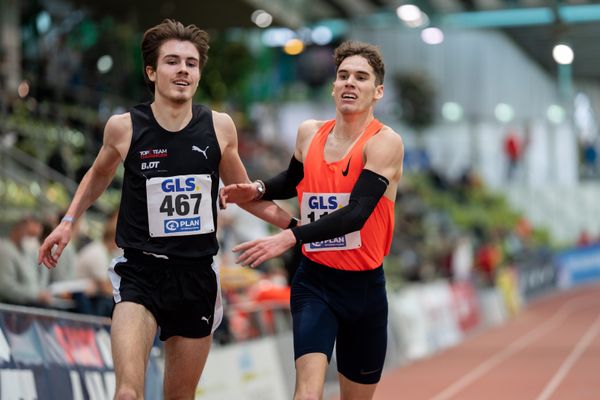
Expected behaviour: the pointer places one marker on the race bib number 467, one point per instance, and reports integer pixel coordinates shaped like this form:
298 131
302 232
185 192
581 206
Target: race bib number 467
179 205
315 206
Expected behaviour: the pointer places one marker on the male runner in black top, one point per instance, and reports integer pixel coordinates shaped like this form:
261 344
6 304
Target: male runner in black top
174 153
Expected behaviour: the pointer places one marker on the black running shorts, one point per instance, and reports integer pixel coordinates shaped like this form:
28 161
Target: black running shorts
183 295
348 308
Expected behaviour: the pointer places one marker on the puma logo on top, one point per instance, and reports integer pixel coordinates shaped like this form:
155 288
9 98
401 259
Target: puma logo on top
199 150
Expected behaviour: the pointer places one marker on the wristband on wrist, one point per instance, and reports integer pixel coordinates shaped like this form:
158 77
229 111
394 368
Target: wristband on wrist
293 223
261 189
68 218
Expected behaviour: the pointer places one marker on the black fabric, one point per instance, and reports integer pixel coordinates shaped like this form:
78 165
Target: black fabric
181 297
156 152
364 197
283 186
330 306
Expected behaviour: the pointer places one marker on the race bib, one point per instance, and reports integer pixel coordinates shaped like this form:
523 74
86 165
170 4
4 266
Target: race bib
317 205
180 205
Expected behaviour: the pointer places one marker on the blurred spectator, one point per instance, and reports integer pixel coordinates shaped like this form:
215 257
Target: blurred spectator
61 281
589 159
56 161
32 231
20 276
92 263
487 260
513 149
65 268
237 226
584 239
462 259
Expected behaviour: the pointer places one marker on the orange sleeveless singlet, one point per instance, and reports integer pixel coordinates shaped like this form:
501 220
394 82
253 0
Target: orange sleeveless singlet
324 185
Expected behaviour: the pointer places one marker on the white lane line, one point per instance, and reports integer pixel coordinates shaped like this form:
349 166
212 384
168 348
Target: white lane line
483 368
566 366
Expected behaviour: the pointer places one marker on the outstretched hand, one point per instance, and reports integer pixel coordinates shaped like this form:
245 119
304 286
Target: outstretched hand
237 193
258 251
54 245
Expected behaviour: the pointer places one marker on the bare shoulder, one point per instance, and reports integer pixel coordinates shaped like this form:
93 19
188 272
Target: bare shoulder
306 131
385 148
119 122
388 137
222 120
118 129
309 127
225 130
386 142
117 134
384 154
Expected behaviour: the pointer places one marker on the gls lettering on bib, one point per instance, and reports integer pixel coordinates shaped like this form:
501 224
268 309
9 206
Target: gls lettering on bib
316 205
179 205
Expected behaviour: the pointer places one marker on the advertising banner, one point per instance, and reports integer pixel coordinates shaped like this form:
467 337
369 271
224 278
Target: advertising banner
47 356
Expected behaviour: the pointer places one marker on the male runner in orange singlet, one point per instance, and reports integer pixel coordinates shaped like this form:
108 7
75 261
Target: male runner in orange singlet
345 173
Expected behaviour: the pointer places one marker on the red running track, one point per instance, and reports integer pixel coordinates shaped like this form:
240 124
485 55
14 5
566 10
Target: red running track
550 350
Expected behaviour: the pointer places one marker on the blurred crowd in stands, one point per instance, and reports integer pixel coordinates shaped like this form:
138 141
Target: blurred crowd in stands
80 281
445 229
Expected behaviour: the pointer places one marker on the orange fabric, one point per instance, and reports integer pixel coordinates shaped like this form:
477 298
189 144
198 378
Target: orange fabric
323 177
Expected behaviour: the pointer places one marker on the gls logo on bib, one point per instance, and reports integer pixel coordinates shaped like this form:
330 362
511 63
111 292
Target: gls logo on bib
180 204
321 205
315 206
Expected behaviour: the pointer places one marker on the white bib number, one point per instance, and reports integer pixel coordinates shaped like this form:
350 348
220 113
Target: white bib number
316 205
180 205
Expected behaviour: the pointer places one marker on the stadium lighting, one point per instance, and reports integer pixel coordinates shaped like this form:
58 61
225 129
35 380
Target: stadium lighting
563 54
104 64
504 112
452 111
321 35
555 114
432 35
261 18
408 13
293 47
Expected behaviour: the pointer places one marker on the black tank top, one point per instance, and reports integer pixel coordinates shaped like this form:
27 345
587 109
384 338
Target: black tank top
170 187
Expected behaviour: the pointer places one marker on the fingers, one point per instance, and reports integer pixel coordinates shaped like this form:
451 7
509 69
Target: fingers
243 246
249 256
222 199
236 193
59 249
47 257
252 253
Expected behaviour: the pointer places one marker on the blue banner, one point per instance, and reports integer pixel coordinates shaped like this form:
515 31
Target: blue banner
47 357
578 266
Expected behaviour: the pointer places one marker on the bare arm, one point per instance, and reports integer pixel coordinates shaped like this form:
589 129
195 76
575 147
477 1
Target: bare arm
117 136
384 154
232 171
240 193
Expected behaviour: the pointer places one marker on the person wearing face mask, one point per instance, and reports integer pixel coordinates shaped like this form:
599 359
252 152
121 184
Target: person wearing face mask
21 281
92 261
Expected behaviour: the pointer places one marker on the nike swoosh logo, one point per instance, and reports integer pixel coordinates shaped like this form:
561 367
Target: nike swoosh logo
363 372
345 172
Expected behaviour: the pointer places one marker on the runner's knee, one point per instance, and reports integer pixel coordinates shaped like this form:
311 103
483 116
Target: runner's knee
307 395
127 393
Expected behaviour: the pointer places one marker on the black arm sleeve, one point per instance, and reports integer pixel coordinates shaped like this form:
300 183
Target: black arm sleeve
283 186
365 195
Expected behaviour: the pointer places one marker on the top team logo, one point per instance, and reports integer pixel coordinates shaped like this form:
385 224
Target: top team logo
153 153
